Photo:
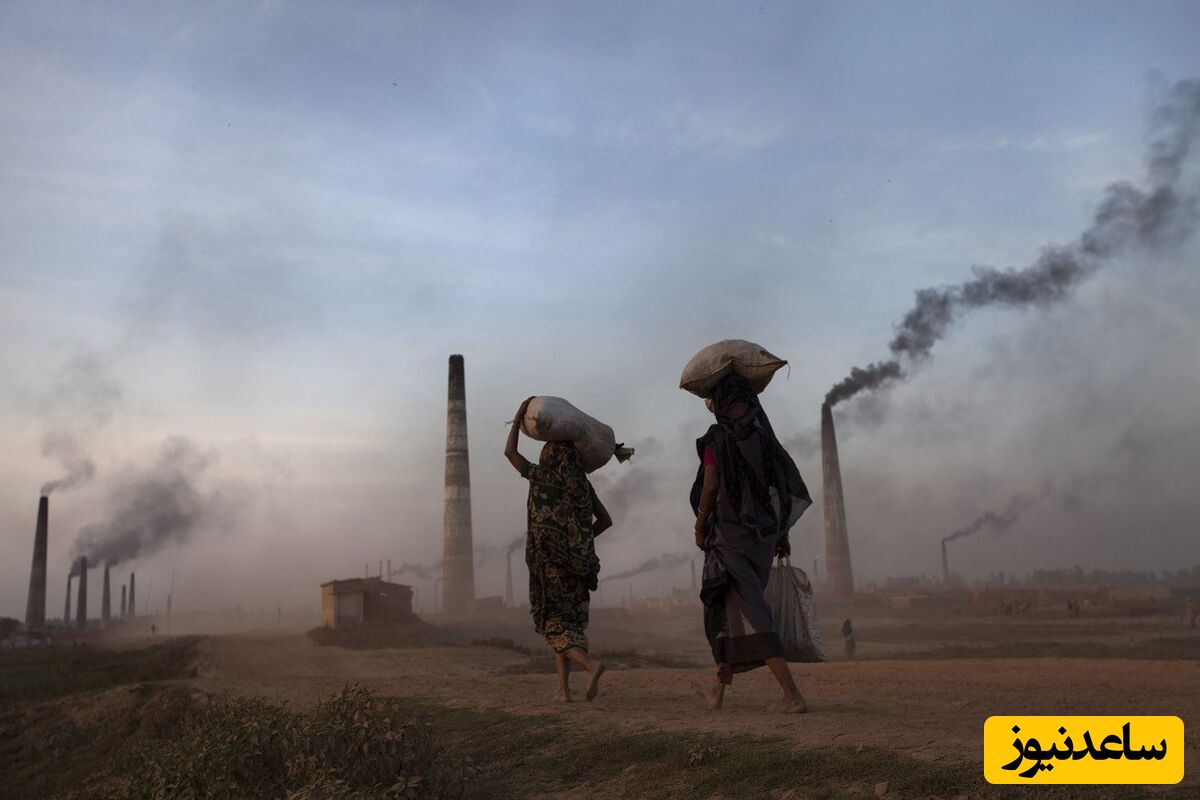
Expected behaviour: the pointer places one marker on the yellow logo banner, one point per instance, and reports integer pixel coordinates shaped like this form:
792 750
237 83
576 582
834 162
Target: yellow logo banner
1038 750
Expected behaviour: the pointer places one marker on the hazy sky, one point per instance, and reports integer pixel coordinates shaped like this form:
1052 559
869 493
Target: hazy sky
263 227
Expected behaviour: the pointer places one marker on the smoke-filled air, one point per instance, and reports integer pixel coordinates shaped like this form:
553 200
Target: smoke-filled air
1130 221
659 399
235 265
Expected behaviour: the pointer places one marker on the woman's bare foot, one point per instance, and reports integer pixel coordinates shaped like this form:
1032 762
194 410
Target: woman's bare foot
563 696
594 686
713 696
791 705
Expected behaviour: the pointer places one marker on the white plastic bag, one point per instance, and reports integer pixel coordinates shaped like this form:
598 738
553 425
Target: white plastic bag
790 595
552 419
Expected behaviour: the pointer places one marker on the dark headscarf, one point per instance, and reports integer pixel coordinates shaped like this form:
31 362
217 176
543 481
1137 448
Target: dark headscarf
762 488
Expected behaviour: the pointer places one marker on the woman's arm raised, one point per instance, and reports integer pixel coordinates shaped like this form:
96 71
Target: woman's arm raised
510 450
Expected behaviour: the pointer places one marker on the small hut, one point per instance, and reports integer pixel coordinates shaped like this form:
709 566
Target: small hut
364 601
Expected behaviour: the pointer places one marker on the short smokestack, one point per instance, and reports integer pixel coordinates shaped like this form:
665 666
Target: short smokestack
35 606
132 595
458 588
839 580
81 596
508 587
67 604
105 599
123 605
945 565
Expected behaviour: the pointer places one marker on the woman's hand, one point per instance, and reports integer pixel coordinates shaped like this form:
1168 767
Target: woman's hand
510 449
783 548
520 416
700 520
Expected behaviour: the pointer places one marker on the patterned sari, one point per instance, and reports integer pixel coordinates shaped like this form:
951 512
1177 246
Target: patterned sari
559 550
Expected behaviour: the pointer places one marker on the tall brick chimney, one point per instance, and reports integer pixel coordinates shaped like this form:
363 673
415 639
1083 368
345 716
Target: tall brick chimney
82 598
458 569
35 606
839 579
105 599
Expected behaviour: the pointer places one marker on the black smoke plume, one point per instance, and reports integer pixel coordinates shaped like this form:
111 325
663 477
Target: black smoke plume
1002 521
665 561
1165 213
80 401
158 506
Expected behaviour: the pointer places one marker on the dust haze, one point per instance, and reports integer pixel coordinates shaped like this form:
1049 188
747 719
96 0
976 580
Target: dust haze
258 395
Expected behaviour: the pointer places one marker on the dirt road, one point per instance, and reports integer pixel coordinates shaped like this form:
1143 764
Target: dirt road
930 710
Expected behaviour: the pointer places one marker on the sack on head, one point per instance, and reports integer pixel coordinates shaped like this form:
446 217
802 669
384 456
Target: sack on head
729 356
553 419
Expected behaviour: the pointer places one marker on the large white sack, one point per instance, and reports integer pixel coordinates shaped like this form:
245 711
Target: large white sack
729 356
553 419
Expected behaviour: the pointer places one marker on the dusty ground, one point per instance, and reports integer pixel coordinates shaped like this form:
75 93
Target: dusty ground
931 709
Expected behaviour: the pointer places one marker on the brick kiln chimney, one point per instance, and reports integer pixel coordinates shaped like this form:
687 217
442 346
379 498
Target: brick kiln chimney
945 565
839 579
67 604
508 587
132 596
81 596
123 604
35 606
458 588
105 599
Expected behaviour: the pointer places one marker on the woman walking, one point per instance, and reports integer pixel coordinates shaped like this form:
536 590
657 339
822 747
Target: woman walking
565 515
747 496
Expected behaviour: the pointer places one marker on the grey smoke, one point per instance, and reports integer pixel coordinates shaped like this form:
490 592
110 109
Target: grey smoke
483 554
665 561
158 506
1164 214
81 400
803 445
621 490
998 522
419 571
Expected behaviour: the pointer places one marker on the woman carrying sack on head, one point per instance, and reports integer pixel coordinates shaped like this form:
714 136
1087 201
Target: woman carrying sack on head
747 496
565 515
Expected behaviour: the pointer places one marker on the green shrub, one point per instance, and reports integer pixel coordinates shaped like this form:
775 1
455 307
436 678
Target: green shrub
353 745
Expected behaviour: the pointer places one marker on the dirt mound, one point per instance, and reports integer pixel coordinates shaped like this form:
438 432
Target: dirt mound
416 633
79 743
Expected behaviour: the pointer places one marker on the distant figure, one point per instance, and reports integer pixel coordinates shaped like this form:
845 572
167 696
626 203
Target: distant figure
153 629
1189 613
848 638
565 515
747 496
